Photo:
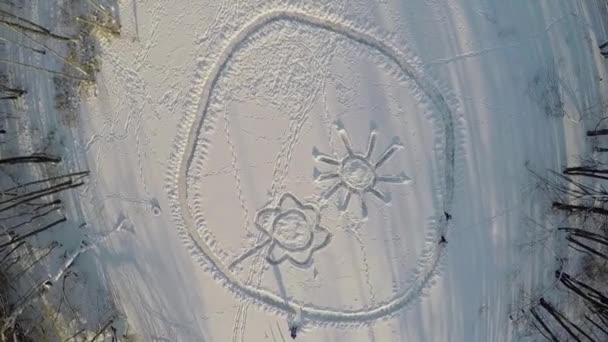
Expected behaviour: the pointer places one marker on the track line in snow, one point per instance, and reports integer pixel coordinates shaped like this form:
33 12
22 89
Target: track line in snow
190 129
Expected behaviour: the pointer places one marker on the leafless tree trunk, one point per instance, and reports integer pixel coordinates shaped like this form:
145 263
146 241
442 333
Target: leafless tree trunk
597 325
562 320
585 247
11 251
8 93
544 325
574 169
571 208
34 158
587 172
23 20
102 330
32 233
593 296
587 234
59 73
576 236
597 132
27 27
78 176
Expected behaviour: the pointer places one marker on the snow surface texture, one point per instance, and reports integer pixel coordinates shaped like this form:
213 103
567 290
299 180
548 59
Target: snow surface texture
294 97
305 158
39 122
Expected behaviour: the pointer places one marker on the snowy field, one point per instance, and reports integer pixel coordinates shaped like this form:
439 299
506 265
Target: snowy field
358 169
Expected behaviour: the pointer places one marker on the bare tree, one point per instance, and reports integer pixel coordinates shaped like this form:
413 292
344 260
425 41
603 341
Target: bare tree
32 158
20 23
547 332
579 193
594 133
564 322
572 209
9 93
592 296
585 241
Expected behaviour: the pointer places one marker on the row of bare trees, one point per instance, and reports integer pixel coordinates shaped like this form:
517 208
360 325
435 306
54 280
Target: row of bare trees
34 187
579 193
96 17
548 320
27 210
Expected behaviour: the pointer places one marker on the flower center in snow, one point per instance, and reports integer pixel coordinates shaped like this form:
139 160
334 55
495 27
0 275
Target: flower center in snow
357 173
292 230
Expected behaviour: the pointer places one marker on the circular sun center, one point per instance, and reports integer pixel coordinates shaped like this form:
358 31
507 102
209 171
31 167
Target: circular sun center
357 173
291 229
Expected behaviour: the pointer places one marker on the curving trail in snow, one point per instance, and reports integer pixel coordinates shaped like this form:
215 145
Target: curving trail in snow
208 110
191 129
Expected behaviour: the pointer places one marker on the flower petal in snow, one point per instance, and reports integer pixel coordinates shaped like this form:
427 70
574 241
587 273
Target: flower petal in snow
289 201
264 219
321 238
277 254
301 258
312 214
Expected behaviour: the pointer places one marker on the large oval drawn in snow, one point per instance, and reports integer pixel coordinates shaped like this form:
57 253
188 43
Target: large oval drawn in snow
314 176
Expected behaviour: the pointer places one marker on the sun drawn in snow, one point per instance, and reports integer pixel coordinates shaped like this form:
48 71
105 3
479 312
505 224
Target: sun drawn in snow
357 173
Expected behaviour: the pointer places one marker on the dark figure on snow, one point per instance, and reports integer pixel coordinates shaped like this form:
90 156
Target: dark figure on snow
294 331
447 216
443 241
603 52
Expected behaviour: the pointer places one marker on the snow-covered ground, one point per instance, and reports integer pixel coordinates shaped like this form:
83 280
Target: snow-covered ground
43 121
299 162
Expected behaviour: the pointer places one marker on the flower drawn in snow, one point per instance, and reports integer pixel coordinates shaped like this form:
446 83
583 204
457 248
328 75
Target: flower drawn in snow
357 173
293 230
